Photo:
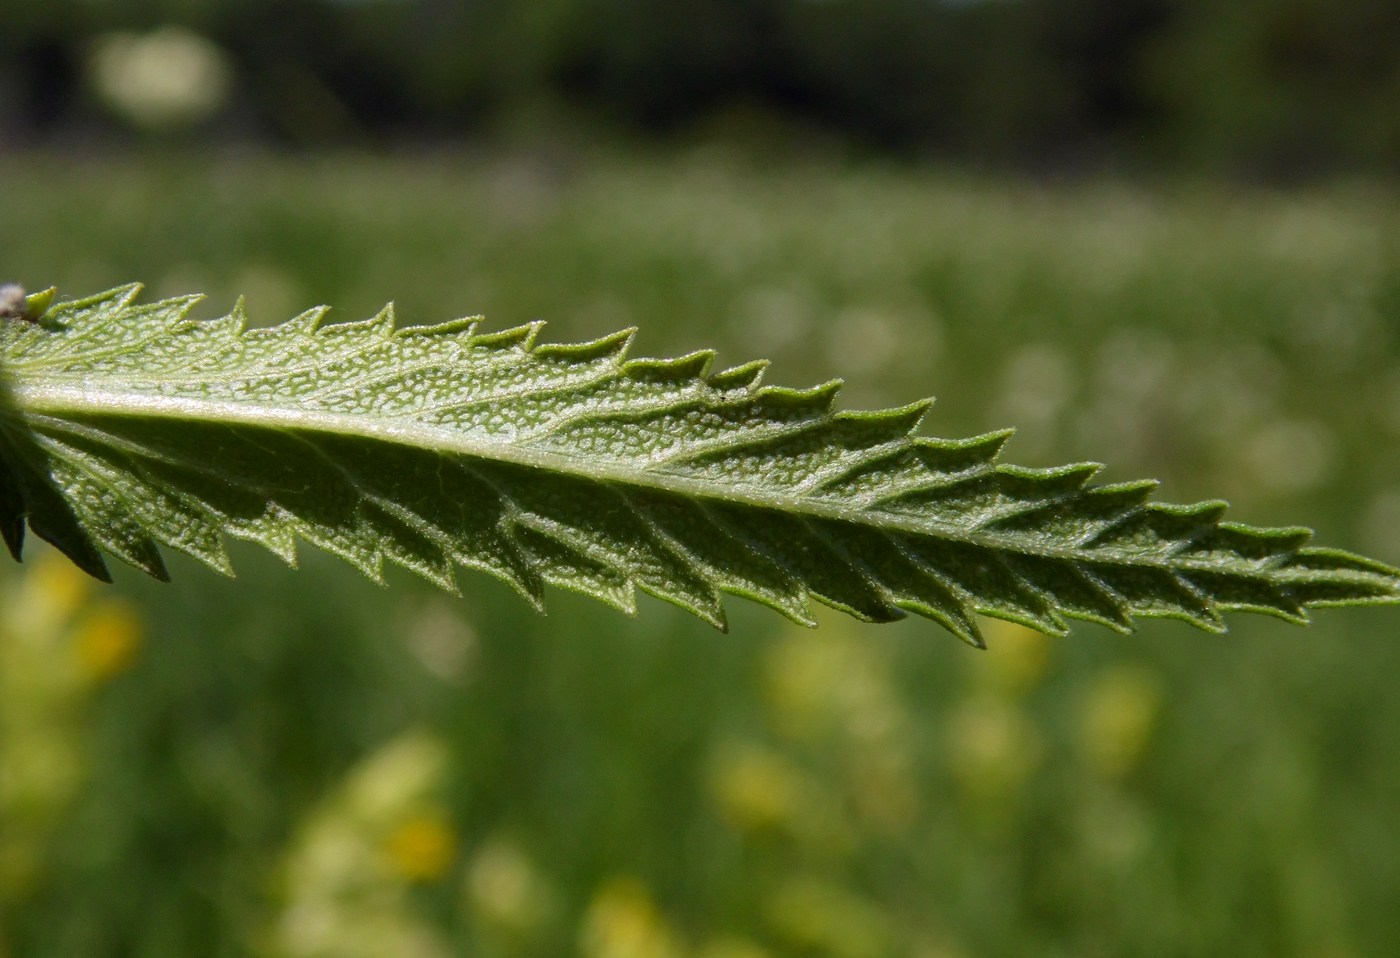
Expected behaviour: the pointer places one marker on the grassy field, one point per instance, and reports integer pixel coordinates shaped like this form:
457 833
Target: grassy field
301 764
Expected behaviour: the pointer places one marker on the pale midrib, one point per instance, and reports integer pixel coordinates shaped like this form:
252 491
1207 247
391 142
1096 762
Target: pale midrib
63 401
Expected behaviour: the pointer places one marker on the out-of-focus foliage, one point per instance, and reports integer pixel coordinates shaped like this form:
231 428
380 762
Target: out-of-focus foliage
279 765
1263 87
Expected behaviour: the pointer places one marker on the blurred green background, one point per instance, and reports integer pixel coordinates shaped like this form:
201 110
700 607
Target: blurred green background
1167 239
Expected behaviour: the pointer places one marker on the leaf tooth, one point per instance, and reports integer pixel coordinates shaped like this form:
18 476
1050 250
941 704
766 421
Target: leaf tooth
1030 497
1029 484
378 327
965 502
645 435
613 346
812 402
274 529
739 378
12 506
77 320
991 586
696 591
906 580
1075 594
409 543
930 470
1161 528
881 473
37 304
948 611
519 339
300 326
800 459
952 456
709 607
888 424
793 543
464 514
461 328
172 313
83 332
1157 592
720 557
788 542
754 422
663 567
170 513
1101 507
569 560
116 298
533 407
1247 593
1234 542
682 369
904 470
49 513
1047 503
498 552
103 512
694 421
619 535
356 545
211 334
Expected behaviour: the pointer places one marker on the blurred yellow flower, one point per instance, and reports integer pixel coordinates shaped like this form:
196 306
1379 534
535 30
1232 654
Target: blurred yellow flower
398 777
55 587
56 642
762 791
422 847
1117 716
835 690
624 922
349 865
817 915
757 789
503 886
992 749
733 948
105 642
1016 656
831 683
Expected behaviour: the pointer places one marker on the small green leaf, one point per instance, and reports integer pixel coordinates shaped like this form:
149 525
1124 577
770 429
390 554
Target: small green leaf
129 426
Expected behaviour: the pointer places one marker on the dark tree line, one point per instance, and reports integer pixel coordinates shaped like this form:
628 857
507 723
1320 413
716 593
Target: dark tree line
1266 86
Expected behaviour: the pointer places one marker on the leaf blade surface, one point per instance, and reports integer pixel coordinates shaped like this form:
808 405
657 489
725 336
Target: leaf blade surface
434 448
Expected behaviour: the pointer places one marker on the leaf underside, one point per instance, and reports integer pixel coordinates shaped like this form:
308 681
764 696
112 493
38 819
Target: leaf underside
126 426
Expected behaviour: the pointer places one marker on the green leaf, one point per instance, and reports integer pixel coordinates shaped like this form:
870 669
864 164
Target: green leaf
131 426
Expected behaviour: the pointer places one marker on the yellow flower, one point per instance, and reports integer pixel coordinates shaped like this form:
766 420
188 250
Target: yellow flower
993 750
836 691
624 922
1117 716
817 915
422 847
733 948
757 789
59 584
503 886
106 641
1016 656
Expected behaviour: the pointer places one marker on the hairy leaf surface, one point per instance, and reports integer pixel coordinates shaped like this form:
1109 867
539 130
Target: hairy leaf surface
130 426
